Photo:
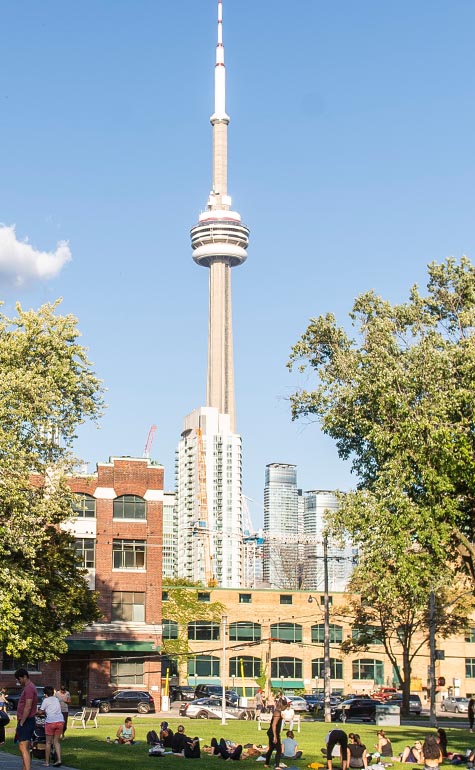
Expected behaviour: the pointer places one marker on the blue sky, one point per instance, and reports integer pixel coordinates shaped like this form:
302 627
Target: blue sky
351 150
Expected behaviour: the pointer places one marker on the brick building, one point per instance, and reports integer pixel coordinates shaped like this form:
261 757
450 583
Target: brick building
283 632
118 532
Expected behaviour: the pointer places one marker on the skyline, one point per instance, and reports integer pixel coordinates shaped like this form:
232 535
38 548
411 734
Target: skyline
351 153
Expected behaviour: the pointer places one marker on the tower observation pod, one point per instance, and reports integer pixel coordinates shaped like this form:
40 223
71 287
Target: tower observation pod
219 241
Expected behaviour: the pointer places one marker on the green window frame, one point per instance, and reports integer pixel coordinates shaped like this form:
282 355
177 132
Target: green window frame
129 507
203 631
286 599
247 663
286 632
84 505
204 596
470 668
245 632
288 667
370 634
470 635
318 633
245 598
203 665
318 668
368 668
169 629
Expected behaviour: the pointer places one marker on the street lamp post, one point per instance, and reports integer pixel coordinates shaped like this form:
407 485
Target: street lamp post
326 636
224 622
432 655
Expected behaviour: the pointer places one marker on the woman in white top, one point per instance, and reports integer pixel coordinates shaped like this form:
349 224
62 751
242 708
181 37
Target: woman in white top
54 723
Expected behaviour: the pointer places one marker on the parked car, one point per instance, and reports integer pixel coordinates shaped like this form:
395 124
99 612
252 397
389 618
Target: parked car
384 693
355 708
299 704
13 696
125 700
457 705
319 701
181 692
415 705
211 708
215 691
313 701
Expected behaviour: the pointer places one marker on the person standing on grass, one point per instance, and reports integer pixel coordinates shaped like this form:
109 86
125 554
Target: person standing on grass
273 733
337 738
64 698
471 713
54 724
25 714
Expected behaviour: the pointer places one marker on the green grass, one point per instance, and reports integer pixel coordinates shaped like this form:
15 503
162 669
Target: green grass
88 749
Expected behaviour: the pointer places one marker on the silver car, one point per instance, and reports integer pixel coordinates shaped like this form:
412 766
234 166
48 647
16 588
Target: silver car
298 704
457 705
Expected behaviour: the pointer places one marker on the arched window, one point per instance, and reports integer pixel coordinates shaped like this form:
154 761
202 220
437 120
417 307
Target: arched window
244 632
130 507
246 666
368 668
203 631
291 668
318 668
170 630
84 506
286 632
318 633
203 665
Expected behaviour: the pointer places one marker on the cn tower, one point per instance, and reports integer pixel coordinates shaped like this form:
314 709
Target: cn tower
219 242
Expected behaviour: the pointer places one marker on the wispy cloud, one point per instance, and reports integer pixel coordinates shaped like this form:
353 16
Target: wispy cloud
21 264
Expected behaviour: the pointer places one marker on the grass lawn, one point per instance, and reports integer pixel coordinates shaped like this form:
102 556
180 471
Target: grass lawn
88 750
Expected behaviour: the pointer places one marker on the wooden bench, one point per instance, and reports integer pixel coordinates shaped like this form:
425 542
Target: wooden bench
86 716
266 718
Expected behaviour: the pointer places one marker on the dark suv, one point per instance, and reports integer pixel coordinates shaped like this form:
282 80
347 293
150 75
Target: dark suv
415 705
356 708
181 692
125 700
215 691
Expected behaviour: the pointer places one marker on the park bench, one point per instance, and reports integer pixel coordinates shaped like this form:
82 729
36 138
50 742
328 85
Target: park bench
86 716
266 718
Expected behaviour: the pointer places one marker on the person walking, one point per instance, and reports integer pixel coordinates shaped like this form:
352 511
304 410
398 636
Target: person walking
64 698
273 733
54 725
471 713
25 714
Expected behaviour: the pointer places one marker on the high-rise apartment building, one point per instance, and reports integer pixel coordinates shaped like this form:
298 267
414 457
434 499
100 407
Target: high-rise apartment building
209 492
208 468
340 556
170 556
282 518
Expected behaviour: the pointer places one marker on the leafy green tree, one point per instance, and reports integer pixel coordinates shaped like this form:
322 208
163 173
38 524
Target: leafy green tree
398 399
47 390
183 606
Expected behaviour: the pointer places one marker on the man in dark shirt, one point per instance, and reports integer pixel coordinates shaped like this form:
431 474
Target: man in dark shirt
179 740
26 713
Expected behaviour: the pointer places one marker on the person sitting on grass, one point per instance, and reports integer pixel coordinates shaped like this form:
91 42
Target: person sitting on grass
192 748
126 733
356 752
413 754
431 752
290 747
383 746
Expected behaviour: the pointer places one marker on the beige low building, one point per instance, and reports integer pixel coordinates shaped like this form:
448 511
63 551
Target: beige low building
282 633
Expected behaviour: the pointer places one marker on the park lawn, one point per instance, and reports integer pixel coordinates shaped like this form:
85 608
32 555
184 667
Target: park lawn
88 749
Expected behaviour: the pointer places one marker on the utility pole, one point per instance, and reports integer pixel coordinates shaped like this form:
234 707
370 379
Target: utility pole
326 636
224 622
432 655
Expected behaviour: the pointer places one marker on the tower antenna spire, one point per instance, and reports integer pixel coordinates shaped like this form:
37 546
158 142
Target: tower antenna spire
219 241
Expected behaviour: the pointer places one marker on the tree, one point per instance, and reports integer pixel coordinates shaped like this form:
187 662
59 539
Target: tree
47 390
183 606
399 402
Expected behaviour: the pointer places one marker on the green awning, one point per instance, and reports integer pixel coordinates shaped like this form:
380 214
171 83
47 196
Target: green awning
111 645
194 680
287 684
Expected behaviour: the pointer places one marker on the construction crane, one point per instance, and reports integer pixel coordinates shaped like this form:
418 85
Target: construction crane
202 528
148 445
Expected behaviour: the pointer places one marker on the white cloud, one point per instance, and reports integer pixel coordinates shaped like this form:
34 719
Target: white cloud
21 264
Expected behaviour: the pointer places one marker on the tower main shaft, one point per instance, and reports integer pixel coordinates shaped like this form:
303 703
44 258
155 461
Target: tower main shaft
219 241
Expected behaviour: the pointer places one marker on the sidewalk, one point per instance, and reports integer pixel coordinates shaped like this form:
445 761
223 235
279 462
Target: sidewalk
12 762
